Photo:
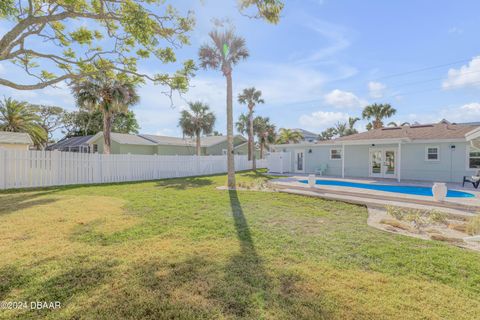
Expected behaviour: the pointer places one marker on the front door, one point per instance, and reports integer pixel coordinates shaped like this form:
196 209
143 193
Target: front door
299 161
383 163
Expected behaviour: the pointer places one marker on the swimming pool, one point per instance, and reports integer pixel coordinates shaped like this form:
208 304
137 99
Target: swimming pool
418 191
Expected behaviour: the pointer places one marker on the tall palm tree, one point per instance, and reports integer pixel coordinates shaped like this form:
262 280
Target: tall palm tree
107 94
19 116
378 112
251 97
197 121
225 51
265 132
286 136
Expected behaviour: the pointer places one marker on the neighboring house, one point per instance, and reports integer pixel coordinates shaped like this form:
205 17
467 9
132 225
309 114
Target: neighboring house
432 152
15 140
164 145
73 144
308 136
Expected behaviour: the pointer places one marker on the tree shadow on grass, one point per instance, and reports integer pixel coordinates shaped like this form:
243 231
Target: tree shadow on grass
10 203
250 288
185 183
82 277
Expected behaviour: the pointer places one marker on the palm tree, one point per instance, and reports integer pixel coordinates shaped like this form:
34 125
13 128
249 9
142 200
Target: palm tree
196 122
265 132
394 124
378 112
19 116
225 51
108 95
351 126
341 129
327 134
242 124
286 136
251 97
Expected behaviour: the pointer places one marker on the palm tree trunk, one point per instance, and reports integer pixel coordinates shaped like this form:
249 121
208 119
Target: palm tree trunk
261 150
230 155
107 128
251 150
199 150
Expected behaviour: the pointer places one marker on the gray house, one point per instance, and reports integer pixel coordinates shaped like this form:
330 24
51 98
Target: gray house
434 152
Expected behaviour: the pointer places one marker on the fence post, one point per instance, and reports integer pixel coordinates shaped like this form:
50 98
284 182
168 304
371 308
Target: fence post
3 168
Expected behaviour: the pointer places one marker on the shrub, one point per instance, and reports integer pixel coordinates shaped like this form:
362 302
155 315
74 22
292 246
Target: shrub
396 212
473 226
437 216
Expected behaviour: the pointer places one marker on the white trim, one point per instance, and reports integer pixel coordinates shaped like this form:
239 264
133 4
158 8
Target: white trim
374 141
431 147
399 161
343 160
475 133
383 151
338 149
467 158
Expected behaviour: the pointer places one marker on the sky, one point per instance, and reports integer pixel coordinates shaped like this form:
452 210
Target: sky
322 63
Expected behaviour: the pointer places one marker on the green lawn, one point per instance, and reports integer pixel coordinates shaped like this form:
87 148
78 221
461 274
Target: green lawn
181 249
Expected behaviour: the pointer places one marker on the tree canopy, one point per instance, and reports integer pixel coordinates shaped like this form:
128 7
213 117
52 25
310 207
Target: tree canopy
62 40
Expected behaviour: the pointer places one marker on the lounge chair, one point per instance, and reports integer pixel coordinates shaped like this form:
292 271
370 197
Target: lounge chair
321 170
475 180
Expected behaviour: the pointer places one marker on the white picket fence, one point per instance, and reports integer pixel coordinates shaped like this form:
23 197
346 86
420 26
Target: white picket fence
279 162
26 169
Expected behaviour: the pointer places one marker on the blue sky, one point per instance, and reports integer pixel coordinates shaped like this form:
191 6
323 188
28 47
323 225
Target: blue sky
324 62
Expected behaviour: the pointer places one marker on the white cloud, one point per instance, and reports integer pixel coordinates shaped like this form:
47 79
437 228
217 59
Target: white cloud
344 99
455 30
335 36
469 112
376 89
322 119
467 75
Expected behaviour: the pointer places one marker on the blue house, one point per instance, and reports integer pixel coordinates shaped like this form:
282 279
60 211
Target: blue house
433 152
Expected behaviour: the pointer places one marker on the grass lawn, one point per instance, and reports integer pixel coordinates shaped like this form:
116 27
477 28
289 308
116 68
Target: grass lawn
180 249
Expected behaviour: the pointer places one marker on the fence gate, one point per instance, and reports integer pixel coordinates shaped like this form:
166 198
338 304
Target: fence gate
279 162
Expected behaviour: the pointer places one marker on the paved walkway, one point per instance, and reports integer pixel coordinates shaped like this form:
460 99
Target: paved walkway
460 206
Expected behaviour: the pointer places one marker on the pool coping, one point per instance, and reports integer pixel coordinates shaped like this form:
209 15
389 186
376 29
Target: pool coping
459 206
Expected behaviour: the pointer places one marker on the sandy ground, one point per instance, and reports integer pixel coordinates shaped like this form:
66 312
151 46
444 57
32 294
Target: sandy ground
375 215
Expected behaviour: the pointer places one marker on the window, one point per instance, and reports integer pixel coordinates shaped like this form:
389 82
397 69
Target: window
224 152
335 154
432 153
473 158
95 148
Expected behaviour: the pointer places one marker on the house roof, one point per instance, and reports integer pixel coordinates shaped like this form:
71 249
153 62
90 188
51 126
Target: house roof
204 141
436 131
153 140
70 143
305 132
15 138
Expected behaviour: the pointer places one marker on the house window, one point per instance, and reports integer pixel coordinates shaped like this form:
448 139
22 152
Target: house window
473 158
432 153
335 154
224 152
95 148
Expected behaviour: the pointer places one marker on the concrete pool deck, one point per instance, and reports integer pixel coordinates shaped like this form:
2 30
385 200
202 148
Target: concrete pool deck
460 206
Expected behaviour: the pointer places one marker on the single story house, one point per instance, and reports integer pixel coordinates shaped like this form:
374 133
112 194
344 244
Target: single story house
73 144
15 140
164 145
433 152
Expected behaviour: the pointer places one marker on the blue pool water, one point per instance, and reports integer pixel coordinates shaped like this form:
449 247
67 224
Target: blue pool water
418 191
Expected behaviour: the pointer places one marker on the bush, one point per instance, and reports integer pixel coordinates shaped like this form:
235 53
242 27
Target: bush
473 226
